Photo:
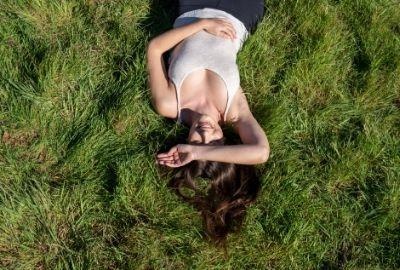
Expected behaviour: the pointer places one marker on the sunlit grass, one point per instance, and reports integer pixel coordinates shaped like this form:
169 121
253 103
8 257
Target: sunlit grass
79 187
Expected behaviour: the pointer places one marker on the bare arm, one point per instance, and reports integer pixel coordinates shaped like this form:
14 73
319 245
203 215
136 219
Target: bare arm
169 39
162 92
254 150
255 147
240 154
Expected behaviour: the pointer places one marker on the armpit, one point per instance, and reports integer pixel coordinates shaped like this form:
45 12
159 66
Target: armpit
239 108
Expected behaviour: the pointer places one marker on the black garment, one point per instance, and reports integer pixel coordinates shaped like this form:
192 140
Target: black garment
249 12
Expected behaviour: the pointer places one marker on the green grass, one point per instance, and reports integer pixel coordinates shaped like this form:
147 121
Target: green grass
79 188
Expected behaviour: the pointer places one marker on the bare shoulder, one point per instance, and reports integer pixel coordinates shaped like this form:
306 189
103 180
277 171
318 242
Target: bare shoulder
244 123
167 105
239 108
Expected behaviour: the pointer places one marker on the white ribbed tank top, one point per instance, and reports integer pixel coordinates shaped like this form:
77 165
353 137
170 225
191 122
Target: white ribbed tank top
203 50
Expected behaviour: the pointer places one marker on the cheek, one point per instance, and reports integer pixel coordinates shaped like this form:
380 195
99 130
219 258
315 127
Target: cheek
190 136
191 132
219 134
193 136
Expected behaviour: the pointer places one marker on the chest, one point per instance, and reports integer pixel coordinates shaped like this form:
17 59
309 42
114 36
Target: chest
204 86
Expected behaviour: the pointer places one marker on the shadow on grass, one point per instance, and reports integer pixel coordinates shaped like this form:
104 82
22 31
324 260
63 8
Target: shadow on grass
161 16
159 19
110 94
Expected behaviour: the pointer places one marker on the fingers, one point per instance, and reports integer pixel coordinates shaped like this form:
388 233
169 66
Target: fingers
169 153
226 35
174 163
177 156
224 29
229 29
170 163
231 32
170 158
173 156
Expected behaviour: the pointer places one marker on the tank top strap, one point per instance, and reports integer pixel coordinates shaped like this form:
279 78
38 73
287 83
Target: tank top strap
229 88
228 104
178 102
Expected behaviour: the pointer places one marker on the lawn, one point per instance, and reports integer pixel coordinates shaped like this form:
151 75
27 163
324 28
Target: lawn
79 187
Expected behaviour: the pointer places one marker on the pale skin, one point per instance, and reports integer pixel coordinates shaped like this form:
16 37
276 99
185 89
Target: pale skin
203 101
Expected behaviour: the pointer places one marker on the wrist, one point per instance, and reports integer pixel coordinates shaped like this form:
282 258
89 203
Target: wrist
196 153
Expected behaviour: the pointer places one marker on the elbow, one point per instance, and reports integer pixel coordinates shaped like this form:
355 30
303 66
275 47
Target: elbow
150 46
153 46
264 154
158 107
162 108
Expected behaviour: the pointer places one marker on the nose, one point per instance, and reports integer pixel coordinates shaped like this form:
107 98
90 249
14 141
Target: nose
207 139
205 136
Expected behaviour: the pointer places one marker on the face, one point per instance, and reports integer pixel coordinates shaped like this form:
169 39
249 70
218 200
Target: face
204 130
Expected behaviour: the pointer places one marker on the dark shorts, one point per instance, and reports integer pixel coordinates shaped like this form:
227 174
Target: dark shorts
249 12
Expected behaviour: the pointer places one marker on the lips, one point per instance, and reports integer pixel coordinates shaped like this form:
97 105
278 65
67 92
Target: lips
204 125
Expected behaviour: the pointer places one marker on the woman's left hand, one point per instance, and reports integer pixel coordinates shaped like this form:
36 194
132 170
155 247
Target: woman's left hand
177 156
220 27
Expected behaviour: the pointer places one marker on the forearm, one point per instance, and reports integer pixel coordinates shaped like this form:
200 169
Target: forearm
169 39
240 154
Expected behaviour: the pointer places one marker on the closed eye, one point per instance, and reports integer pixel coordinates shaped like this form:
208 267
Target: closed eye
195 142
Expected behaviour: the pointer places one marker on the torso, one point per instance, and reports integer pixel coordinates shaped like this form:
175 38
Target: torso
203 68
205 86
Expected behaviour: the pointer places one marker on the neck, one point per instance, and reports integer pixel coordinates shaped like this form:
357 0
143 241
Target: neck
189 114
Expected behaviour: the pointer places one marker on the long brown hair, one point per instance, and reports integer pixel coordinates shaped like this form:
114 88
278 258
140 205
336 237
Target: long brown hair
231 189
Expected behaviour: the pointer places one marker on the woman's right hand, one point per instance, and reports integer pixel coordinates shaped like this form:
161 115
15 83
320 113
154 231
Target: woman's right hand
177 156
220 27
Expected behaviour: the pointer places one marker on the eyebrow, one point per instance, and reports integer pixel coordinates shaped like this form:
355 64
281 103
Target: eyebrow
195 143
